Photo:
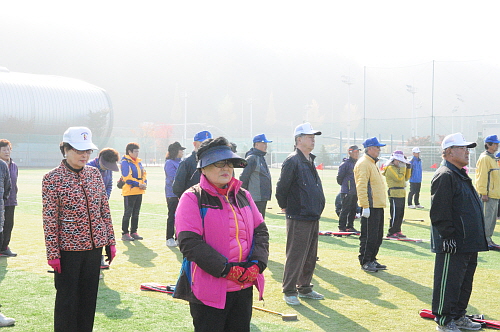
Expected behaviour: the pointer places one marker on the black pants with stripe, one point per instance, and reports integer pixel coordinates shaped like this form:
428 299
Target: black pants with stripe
397 207
348 212
414 193
372 232
453 277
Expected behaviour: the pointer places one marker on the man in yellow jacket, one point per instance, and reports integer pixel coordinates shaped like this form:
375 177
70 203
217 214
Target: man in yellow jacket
372 199
488 186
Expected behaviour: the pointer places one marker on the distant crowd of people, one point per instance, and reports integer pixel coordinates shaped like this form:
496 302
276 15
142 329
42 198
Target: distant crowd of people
218 221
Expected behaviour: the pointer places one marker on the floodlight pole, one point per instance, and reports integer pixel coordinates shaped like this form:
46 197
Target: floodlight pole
347 80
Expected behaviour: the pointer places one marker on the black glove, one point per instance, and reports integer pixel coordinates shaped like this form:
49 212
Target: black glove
449 246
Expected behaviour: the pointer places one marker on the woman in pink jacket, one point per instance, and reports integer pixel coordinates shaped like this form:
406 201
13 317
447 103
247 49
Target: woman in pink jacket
224 241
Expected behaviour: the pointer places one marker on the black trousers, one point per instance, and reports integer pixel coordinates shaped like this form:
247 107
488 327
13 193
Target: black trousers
348 211
132 206
261 205
372 232
397 206
414 193
453 278
172 203
77 286
235 316
7 227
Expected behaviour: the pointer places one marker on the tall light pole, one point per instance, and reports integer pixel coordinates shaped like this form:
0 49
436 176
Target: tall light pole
348 80
411 89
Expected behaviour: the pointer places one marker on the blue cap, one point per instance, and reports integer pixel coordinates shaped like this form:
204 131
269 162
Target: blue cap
492 139
218 153
372 141
202 136
261 138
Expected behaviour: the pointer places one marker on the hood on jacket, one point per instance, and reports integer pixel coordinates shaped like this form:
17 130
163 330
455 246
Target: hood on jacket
254 151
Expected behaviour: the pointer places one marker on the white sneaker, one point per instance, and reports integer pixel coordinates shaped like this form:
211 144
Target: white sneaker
291 300
6 321
171 243
419 206
412 207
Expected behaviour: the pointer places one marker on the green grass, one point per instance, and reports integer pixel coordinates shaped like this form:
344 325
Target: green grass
355 300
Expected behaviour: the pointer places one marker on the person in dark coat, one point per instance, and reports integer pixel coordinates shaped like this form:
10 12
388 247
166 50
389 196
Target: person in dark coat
457 236
256 177
345 178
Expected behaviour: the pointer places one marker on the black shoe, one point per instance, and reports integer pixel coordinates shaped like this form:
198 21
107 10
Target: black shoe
379 266
352 229
369 267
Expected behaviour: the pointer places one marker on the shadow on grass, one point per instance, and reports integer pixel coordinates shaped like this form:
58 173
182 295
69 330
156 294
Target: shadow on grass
277 270
409 247
139 254
3 268
423 293
353 288
177 253
347 242
108 301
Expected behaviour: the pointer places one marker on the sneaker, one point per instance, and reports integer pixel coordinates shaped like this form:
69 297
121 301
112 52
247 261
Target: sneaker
412 207
369 267
450 327
379 266
291 300
8 253
127 237
312 295
466 324
401 235
342 229
171 243
392 236
352 229
418 206
104 264
137 236
6 321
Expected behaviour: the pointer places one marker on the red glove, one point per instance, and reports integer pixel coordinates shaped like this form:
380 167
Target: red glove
110 253
234 273
250 274
55 264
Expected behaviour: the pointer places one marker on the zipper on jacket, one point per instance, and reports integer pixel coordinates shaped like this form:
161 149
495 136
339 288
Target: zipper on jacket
463 226
88 211
237 230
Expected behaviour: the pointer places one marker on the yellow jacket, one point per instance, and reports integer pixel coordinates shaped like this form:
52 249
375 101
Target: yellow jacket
369 183
396 177
488 182
133 174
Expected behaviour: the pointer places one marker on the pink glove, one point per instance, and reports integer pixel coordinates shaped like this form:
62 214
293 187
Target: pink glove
110 253
55 264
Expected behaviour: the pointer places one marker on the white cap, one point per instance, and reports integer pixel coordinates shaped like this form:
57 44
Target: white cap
415 150
456 139
305 129
80 138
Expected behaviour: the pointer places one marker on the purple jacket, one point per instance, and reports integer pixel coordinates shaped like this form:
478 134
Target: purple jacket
12 200
345 177
170 168
206 242
107 175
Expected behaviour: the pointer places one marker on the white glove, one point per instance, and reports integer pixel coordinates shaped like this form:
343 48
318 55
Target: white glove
366 213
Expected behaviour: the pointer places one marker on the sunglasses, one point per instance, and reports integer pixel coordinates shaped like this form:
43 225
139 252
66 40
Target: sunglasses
223 163
80 152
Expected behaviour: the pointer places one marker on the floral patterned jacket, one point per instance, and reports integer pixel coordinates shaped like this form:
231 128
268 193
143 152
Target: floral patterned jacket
76 213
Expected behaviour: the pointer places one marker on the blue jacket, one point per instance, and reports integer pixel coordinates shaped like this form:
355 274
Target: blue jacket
345 176
12 200
456 211
170 168
299 189
256 177
416 170
107 175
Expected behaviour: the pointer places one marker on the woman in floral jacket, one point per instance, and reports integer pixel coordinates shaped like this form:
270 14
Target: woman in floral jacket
77 225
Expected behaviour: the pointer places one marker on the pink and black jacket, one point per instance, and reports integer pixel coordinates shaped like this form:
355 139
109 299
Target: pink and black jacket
213 230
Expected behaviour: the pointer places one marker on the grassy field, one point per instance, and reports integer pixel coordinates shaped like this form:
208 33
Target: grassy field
355 300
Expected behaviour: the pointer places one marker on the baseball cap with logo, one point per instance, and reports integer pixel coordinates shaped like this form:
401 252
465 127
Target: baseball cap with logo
80 138
202 136
261 138
456 139
415 150
305 129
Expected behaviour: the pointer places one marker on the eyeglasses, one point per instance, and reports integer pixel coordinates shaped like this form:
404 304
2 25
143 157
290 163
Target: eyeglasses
223 163
80 152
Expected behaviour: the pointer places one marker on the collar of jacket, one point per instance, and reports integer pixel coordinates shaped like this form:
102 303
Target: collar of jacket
461 172
303 157
234 186
255 152
74 170
374 159
489 154
130 160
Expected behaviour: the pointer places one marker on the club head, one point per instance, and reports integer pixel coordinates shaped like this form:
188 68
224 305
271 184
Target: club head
289 317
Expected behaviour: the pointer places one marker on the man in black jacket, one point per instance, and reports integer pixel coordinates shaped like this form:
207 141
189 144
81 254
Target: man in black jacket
345 178
457 236
300 196
256 177
187 174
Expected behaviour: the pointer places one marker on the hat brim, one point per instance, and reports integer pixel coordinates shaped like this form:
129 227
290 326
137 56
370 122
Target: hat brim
497 141
265 141
109 165
219 153
83 146
312 132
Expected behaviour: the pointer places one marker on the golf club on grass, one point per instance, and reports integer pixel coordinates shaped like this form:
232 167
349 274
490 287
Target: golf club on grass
285 317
